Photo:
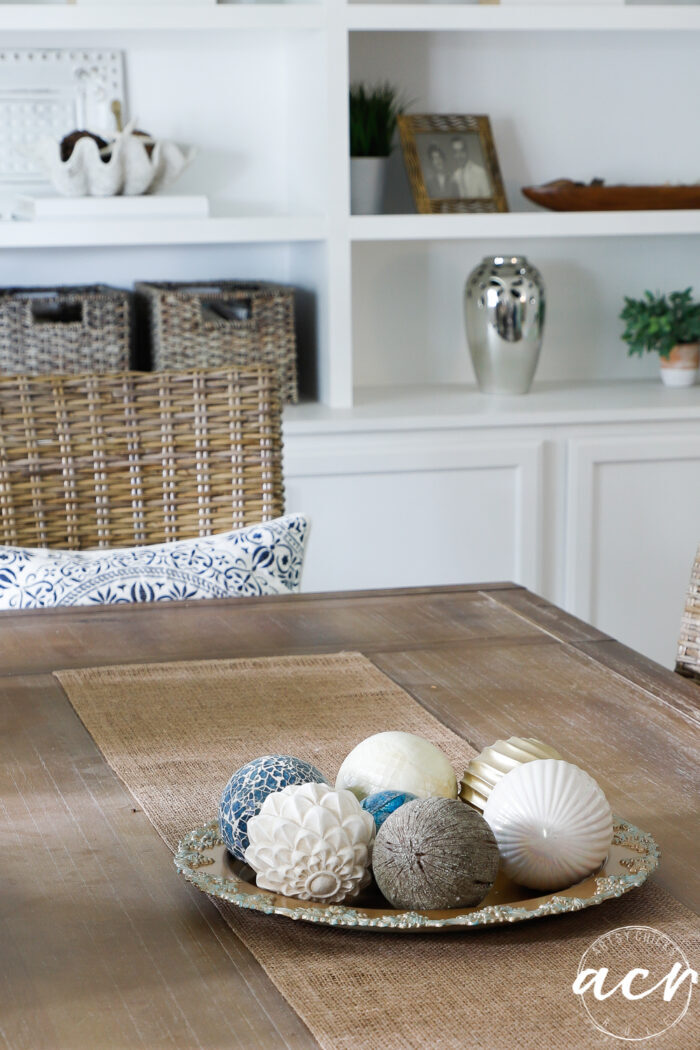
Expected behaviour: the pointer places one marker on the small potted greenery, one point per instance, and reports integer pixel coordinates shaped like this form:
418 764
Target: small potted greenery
668 326
373 113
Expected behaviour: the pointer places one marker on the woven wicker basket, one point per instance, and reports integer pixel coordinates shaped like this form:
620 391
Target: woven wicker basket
68 330
688 658
222 324
133 458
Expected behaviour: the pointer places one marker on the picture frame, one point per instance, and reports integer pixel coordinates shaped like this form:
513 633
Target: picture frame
451 163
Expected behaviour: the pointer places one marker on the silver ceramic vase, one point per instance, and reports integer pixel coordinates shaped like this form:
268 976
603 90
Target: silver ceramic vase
504 305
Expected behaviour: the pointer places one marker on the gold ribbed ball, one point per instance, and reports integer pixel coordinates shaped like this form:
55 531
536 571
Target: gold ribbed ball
483 772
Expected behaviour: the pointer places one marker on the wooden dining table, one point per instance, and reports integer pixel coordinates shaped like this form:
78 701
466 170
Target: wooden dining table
92 957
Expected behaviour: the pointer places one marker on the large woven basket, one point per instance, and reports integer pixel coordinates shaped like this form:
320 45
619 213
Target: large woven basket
222 324
132 458
68 330
688 658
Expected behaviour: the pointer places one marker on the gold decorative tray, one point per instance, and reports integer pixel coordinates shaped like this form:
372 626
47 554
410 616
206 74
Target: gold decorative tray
204 860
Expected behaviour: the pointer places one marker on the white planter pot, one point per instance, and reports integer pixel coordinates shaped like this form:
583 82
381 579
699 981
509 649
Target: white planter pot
680 368
367 184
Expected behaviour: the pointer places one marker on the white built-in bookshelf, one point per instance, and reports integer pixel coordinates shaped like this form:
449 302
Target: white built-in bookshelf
261 89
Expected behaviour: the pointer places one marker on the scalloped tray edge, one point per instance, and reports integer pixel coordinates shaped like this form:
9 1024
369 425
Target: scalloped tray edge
633 856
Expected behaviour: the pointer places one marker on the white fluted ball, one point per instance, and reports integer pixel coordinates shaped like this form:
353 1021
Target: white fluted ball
552 822
397 762
312 842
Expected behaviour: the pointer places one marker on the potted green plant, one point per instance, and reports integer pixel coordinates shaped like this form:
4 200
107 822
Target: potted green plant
373 113
669 326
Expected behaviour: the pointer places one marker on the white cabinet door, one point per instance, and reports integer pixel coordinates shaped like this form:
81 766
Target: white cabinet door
633 525
395 511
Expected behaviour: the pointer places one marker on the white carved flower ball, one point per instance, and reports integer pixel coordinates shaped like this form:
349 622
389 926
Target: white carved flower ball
312 842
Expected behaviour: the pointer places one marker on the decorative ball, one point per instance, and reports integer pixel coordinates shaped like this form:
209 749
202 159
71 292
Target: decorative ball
435 853
397 762
552 822
484 771
249 787
383 803
312 842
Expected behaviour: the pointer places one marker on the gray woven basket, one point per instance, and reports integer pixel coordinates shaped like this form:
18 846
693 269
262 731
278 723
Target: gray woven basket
64 330
222 324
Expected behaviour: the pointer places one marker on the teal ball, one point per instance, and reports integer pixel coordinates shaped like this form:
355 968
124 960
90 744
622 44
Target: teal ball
383 803
248 788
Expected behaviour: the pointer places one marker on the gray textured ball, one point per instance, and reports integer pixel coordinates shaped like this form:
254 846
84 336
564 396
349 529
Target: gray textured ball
435 853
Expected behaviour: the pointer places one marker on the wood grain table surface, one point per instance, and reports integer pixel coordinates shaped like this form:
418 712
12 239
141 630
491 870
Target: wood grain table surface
104 946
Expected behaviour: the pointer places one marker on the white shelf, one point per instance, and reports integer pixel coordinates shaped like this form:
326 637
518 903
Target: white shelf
286 229
299 16
167 18
523 224
450 407
427 17
137 232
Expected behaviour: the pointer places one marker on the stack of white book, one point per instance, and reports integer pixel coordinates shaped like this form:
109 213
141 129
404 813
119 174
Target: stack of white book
145 207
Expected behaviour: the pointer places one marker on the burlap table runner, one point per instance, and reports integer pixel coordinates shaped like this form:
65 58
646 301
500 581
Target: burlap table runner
174 733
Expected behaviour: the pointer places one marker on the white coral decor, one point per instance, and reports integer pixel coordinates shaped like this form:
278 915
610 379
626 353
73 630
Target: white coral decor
134 165
312 842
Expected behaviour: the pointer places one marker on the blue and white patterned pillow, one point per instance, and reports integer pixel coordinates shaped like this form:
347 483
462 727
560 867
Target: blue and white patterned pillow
259 559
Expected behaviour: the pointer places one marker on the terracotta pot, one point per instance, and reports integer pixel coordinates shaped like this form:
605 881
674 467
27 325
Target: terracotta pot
680 368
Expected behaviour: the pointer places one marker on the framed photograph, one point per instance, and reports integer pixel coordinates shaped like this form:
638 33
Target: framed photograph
452 164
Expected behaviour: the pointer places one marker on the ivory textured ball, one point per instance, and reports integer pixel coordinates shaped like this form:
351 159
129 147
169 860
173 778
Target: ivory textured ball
552 822
248 788
397 762
435 853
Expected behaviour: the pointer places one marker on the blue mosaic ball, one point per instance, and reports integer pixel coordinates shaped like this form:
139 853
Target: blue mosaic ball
383 803
248 788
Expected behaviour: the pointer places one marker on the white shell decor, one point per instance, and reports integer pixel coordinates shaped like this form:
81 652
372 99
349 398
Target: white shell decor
397 762
312 842
129 170
484 771
552 822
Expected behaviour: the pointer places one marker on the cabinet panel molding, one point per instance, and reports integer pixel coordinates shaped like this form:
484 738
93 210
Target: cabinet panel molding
632 525
399 511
